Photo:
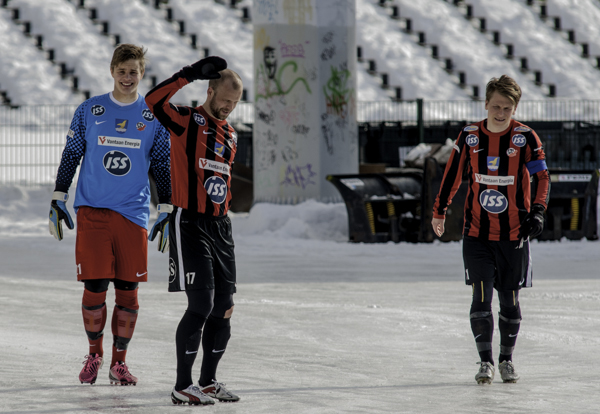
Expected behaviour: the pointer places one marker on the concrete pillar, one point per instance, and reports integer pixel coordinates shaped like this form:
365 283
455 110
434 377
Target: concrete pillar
305 98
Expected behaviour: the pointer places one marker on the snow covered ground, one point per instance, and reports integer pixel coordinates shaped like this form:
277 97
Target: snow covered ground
320 326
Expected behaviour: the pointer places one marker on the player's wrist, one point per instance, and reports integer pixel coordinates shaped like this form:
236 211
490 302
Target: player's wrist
60 196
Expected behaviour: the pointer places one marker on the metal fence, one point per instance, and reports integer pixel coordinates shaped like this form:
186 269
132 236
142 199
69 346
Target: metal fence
32 137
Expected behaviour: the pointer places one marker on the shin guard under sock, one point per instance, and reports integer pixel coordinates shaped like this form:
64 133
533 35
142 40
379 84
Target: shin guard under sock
124 319
214 342
187 343
482 325
93 310
509 323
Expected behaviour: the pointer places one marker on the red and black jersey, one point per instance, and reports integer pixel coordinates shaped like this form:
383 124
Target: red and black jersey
499 167
202 151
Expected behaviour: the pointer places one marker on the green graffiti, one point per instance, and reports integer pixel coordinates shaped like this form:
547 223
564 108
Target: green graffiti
277 90
337 94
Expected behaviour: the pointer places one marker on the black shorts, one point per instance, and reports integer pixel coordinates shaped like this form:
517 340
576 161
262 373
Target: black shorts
505 263
201 252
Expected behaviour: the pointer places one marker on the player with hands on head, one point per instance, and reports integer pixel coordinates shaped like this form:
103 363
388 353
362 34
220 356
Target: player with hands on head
499 156
120 141
201 248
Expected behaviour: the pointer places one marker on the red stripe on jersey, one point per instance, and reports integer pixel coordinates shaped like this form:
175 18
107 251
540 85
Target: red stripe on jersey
499 189
202 152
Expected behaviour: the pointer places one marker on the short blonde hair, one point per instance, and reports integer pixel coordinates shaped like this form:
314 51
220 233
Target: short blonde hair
505 86
229 76
127 51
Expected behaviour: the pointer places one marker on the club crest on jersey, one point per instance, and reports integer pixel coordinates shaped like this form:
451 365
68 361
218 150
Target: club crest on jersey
471 128
493 201
117 163
522 129
121 125
140 126
519 140
97 110
219 149
199 119
511 152
147 115
216 188
472 140
493 163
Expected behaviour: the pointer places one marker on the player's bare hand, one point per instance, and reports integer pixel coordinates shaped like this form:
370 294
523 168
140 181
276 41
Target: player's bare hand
438 226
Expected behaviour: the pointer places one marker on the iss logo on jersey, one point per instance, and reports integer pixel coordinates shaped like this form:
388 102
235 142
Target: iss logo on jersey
472 140
147 115
493 201
121 125
493 163
216 188
97 110
219 149
519 140
199 119
117 163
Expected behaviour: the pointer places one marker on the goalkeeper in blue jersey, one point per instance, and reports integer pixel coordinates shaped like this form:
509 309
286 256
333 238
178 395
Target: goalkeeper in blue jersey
120 141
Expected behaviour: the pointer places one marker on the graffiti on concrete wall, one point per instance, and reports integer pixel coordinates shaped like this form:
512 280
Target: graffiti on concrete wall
269 76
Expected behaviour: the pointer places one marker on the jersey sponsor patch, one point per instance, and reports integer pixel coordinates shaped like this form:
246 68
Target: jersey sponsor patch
519 140
511 152
493 201
214 166
493 163
147 115
140 126
219 149
121 125
216 188
119 142
117 163
71 133
522 129
97 110
199 119
472 140
471 128
494 179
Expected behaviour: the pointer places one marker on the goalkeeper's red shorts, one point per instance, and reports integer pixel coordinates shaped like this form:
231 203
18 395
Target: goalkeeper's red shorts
109 246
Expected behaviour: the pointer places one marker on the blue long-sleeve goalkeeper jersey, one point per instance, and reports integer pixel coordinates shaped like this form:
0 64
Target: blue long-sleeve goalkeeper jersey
119 145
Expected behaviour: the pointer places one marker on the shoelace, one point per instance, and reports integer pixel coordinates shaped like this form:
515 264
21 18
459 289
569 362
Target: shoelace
122 370
91 365
509 368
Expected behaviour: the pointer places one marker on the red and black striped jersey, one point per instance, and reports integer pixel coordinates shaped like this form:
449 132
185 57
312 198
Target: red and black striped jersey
499 167
202 151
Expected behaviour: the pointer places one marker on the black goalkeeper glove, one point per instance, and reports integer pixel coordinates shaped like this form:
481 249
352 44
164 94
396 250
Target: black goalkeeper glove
207 68
533 224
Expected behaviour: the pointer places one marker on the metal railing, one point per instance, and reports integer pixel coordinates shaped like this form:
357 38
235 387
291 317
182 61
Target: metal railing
32 137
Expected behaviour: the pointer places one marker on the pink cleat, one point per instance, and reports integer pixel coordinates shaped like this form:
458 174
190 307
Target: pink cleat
120 375
92 365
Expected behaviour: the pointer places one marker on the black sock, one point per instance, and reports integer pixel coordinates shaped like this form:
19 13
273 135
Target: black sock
482 326
187 341
217 332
